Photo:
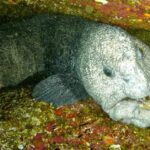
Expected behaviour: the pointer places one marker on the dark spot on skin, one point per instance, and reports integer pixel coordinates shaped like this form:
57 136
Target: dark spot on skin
126 80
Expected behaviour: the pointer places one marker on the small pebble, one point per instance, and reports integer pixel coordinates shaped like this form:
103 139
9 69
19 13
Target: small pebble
102 1
20 147
115 147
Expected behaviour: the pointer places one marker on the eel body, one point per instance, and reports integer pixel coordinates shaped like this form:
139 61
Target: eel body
78 58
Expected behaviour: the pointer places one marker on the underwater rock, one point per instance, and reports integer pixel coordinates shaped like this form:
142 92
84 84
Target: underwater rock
80 57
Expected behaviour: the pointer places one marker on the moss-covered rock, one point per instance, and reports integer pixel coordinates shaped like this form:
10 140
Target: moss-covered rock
130 13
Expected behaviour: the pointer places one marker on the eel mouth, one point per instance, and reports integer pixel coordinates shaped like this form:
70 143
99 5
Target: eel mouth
145 103
143 99
147 98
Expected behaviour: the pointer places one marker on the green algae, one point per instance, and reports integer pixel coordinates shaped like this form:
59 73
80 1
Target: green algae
29 124
143 35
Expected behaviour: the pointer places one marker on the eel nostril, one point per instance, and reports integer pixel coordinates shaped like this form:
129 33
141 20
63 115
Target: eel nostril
139 53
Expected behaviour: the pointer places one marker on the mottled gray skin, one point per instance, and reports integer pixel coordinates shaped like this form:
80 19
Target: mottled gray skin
81 56
21 50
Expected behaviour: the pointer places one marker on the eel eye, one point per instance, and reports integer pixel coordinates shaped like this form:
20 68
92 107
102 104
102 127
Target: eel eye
108 72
